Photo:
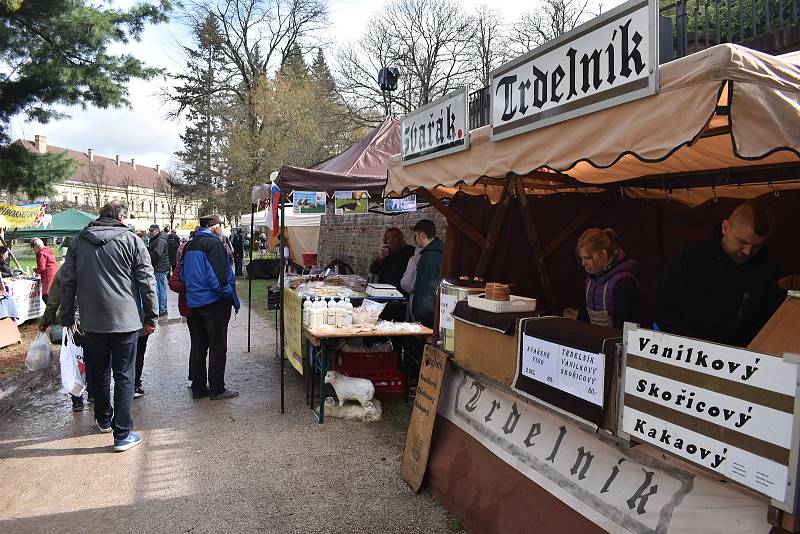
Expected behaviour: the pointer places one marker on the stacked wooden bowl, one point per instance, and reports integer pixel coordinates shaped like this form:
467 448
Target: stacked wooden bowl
499 292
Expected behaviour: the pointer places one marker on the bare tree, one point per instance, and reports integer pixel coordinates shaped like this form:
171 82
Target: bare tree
489 44
97 179
551 19
128 183
173 193
428 40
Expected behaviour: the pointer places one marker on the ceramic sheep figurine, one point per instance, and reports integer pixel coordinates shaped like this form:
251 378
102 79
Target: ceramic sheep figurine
348 388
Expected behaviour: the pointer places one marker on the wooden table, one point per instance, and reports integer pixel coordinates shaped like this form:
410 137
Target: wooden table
321 339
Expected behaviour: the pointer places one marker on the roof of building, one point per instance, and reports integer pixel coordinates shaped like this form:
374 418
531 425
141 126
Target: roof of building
114 176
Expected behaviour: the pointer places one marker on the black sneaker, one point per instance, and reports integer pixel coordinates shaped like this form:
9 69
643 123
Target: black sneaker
224 394
138 392
199 394
77 404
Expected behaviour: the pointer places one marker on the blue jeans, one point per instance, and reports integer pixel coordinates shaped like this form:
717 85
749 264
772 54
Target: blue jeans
161 289
107 353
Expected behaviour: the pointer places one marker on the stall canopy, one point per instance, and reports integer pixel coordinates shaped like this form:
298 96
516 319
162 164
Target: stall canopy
67 223
718 113
363 166
302 231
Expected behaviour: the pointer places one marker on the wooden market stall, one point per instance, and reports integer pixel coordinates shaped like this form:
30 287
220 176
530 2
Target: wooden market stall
511 454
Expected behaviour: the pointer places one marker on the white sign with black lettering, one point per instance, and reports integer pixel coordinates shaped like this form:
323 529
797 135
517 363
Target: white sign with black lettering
609 60
447 303
436 129
727 409
574 371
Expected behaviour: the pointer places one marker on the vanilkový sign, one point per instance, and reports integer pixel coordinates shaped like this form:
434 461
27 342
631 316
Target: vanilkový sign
607 61
436 129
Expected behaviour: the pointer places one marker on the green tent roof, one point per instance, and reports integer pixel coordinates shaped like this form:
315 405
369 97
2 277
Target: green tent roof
66 223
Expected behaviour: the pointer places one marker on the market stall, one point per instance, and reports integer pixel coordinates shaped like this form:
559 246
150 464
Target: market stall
63 224
302 231
543 420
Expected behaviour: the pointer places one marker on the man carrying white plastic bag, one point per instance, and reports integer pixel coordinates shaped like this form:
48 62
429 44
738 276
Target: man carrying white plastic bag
73 370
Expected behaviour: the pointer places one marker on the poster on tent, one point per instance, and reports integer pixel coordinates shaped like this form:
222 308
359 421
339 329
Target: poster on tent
351 202
309 202
400 205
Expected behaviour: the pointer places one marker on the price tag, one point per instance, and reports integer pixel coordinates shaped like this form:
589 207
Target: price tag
447 304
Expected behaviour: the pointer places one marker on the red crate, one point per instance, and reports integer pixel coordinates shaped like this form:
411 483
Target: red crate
357 362
388 383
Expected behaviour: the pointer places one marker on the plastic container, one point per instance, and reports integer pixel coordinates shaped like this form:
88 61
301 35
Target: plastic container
330 313
309 259
359 362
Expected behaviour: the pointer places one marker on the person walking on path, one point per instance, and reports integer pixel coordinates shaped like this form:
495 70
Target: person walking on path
238 251
159 257
210 292
174 242
46 265
108 270
192 321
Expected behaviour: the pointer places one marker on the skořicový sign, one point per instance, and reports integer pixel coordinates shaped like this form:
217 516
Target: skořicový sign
726 409
607 61
436 129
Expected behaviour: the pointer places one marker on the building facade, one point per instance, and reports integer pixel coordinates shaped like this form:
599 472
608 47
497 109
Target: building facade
150 195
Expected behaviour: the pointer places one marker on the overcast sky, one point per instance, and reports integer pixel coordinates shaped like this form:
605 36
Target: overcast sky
143 131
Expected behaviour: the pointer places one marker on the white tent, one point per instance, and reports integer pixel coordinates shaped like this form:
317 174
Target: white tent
302 231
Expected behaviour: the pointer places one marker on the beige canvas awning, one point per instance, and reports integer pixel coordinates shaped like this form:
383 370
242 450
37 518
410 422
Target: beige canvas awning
721 110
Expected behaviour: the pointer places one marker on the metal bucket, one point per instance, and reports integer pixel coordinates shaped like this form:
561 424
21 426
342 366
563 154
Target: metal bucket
451 291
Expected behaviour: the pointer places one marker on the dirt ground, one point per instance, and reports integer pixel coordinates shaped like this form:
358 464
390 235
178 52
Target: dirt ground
205 466
12 357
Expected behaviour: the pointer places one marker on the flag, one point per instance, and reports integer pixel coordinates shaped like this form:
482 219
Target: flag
274 201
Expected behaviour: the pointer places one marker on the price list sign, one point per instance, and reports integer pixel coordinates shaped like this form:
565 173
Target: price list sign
568 369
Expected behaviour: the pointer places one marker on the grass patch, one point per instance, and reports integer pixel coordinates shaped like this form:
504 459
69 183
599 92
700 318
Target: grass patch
397 413
258 297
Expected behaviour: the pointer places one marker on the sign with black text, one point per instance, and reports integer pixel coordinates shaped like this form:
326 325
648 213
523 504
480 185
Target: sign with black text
436 129
724 408
607 61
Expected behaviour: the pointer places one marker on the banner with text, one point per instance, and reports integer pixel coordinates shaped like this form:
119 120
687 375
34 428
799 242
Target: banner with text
435 129
726 409
20 216
605 62
619 489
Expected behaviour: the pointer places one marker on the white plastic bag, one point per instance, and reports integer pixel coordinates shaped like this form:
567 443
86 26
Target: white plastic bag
40 355
73 370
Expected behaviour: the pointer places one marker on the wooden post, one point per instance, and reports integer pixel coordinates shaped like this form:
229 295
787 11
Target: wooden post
579 221
533 238
452 217
494 231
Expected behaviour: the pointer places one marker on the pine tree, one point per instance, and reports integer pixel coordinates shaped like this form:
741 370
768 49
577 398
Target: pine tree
294 65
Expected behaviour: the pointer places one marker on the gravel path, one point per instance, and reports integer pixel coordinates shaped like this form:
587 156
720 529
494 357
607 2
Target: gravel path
204 466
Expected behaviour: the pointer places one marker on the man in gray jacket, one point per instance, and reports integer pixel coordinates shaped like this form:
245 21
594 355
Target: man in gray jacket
108 269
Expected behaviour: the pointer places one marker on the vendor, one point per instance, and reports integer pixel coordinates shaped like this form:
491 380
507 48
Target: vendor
392 260
611 291
725 289
5 270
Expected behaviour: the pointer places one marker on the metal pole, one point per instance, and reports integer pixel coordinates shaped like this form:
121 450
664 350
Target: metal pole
250 272
283 288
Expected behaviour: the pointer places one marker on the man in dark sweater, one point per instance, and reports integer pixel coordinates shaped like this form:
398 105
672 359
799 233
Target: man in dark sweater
723 290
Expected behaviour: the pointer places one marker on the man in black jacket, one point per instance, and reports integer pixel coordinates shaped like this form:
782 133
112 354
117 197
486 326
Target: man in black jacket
174 242
159 256
238 251
723 290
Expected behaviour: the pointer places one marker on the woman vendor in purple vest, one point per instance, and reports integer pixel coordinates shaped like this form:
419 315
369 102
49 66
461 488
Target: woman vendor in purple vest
611 292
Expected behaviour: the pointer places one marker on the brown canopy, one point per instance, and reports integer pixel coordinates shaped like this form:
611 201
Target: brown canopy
362 166
721 111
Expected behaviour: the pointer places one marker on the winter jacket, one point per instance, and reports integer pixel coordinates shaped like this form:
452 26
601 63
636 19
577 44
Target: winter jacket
173 242
159 253
108 269
177 285
238 245
703 293
428 268
46 267
206 271
390 269
53 302
615 290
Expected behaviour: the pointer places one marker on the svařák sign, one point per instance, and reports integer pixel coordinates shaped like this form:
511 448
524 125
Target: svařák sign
605 62
727 409
436 129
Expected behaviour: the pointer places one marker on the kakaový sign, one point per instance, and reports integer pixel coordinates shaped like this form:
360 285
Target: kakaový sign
727 409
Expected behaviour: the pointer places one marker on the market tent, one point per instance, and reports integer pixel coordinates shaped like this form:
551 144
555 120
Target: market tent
302 231
66 223
362 166
717 111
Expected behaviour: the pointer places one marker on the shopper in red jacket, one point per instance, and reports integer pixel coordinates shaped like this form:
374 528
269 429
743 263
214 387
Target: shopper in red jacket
46 265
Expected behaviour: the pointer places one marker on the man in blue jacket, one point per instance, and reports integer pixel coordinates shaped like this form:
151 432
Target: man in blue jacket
210 293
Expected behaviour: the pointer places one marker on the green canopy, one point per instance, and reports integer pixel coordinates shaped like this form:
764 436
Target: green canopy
67 223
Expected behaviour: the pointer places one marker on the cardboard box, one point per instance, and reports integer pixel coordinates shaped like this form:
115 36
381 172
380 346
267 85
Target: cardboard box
486 351
9 333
